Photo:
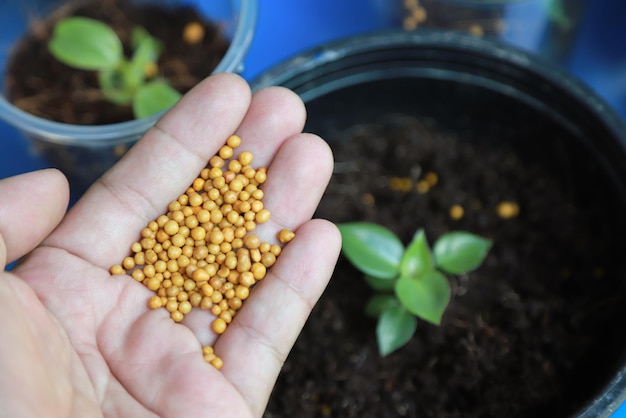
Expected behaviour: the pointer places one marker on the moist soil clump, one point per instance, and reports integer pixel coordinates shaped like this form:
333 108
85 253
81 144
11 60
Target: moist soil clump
521 336
37 83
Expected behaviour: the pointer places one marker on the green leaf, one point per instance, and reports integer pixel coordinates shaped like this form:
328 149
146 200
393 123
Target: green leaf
147 50
378 283
372 248
395 328
140 36
86 44
417 258
426 297
460 252
378 303
154 97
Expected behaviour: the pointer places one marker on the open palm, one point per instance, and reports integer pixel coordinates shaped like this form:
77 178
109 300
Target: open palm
77 342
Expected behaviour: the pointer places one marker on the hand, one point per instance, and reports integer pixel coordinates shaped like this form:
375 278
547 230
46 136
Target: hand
78 342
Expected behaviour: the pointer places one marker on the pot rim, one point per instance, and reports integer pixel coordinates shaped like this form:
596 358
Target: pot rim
295 72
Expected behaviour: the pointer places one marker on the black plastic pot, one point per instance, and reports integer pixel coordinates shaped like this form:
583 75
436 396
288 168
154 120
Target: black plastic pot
462 83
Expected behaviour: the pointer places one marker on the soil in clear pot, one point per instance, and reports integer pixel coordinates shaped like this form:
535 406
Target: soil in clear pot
535 331
39 84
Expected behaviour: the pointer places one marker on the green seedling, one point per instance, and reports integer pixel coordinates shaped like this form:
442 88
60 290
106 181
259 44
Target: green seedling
410 282
88 44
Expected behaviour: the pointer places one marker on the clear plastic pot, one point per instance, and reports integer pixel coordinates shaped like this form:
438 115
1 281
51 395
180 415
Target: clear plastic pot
85 152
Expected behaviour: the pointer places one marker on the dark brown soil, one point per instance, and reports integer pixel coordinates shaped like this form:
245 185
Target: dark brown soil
450 15
39 84
523 335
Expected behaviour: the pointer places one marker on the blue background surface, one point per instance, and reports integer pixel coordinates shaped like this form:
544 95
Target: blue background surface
285 28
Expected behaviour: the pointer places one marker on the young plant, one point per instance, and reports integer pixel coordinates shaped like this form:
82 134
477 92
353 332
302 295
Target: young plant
410 281
88 44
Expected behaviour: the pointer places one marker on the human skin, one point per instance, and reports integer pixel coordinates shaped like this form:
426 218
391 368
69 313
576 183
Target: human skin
78 342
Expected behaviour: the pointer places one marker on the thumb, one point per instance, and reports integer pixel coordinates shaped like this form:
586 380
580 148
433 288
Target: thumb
31 206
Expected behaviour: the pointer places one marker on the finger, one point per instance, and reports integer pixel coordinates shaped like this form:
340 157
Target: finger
276 114
258 341
31 206
296 180
154 172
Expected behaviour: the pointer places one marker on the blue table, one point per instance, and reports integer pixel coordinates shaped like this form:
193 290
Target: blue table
286 28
